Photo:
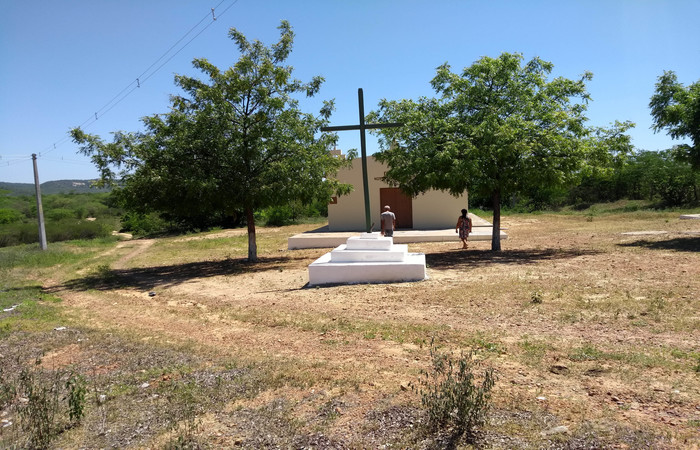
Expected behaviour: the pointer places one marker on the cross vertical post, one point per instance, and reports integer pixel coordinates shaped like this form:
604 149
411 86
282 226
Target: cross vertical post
363 148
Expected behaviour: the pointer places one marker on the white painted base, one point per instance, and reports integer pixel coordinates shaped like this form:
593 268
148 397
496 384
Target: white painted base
396 253
363 242
323 271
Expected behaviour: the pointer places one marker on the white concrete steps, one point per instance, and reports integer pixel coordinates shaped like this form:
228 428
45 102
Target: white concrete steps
368 258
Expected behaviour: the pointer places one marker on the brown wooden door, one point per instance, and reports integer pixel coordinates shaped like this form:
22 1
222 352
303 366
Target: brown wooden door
401 205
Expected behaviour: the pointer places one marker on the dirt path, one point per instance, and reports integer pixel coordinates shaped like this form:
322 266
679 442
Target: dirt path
135 247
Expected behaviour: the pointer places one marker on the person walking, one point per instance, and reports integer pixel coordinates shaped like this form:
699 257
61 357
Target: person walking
388 220
464 227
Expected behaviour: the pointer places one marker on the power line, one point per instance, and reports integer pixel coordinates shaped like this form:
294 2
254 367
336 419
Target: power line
137 82
188 42
68 161
142 78
12 162
164 62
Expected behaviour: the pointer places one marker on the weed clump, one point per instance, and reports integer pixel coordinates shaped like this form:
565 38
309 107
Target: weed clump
183 409
452 395
37 397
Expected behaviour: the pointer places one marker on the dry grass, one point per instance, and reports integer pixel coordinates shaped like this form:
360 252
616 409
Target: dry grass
585 326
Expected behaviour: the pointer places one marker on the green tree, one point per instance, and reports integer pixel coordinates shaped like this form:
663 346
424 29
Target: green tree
609 151
657 175
676 109
238 142
499 128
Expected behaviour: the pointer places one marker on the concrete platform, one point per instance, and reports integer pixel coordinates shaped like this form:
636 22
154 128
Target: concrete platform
323 271
322 238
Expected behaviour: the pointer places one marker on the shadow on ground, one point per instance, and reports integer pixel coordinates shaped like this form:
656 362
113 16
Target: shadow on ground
478 258
680 244
147 278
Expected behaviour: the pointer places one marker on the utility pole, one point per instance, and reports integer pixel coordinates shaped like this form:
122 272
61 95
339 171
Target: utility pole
39 208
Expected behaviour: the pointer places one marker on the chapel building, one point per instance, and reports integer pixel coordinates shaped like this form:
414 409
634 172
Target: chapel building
433 210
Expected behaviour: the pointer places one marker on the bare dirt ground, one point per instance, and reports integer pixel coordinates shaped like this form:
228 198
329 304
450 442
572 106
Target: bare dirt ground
585 326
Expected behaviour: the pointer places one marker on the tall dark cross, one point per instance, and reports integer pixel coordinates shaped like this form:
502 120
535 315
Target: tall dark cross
362 127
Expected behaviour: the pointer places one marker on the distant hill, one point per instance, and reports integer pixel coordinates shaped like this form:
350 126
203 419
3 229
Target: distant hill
53 187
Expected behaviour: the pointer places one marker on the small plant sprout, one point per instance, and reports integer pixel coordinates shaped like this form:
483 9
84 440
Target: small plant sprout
536 298
76 387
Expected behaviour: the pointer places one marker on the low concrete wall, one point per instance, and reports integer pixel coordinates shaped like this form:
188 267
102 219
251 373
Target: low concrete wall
332 240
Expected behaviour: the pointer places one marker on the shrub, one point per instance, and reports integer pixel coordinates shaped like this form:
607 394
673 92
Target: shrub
143 223
451 394
60 214
79 212
66 230
9 216
71 229
279 215
29 233
292 212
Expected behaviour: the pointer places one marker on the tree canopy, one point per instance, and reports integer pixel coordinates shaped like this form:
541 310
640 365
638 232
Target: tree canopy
498 128
236 142
676 109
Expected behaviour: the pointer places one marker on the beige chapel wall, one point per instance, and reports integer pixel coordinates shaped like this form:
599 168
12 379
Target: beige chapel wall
432 210
349 213
437 210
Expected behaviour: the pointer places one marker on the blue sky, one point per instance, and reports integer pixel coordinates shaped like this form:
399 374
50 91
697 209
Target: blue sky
61 62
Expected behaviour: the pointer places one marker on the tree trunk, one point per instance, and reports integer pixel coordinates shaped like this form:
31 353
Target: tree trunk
252 246
496 230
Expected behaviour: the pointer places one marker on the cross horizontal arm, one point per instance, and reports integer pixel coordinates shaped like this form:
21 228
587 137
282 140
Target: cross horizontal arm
359 127
341 128
383 125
